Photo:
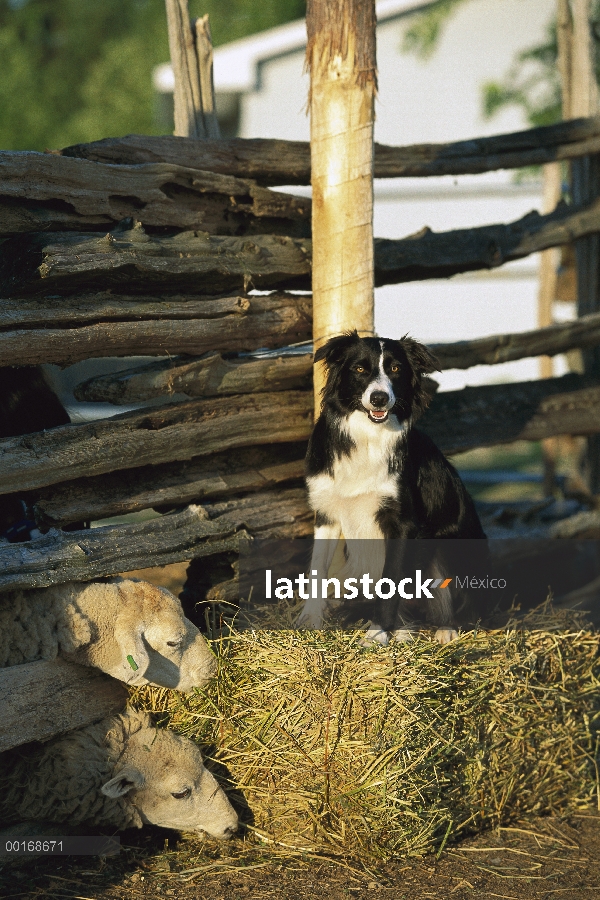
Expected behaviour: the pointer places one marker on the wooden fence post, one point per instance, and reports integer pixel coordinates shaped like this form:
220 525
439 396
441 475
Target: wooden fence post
191 57
341 58
546 298
580 98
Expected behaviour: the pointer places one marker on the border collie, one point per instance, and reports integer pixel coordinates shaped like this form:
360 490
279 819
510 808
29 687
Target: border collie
371 477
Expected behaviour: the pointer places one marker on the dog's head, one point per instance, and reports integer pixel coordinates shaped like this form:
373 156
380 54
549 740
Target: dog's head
377 375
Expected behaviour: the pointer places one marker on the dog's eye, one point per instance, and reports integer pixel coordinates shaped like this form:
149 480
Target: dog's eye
394 368
359 369
182 795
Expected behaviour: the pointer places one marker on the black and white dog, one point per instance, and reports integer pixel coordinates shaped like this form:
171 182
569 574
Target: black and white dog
371 476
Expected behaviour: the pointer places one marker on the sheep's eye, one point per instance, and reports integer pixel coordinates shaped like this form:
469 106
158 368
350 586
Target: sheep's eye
360 369
182 795
174 643
395 368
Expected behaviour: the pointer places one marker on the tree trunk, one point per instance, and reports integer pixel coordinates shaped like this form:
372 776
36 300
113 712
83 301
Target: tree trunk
341 58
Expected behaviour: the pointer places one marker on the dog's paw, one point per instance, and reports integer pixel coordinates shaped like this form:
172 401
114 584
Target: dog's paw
312 615
309 621
445 635
373 636
403 635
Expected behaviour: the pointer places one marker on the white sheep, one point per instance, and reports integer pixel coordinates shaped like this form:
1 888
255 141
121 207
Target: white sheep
132 630
122 772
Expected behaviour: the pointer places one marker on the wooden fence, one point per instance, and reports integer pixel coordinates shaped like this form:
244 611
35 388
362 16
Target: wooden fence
152 246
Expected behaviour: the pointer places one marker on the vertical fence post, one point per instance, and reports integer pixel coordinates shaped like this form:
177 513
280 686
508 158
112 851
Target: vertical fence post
546 298
580 98
343 80
190 47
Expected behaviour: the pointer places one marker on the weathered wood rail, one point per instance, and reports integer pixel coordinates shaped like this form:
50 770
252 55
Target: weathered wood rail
81 455
167 485
131 261
212 375
41 192
499 348
45 698
123 328
209 376
197 531
502 413
177 431
273 162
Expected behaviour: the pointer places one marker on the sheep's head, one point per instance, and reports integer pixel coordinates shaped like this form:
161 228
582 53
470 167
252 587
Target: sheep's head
163 776
141 636
158 645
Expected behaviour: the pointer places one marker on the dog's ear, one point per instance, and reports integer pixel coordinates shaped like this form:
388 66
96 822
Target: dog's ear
333 350
422 362
421 359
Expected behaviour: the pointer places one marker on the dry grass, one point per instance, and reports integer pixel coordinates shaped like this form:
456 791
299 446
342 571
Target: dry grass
372 753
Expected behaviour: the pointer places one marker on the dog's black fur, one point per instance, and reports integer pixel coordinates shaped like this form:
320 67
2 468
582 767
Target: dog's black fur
428 499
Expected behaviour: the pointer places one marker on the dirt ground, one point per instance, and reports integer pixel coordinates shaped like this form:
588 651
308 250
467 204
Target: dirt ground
540 859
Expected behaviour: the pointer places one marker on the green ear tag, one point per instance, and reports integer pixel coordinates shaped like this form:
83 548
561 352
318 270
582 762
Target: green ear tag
132 663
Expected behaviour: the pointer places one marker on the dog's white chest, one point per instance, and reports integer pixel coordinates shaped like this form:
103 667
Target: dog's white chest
362 479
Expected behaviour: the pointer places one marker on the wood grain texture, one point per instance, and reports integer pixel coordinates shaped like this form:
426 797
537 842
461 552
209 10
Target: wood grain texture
233 324
428 254
187 94
176 431
42 699
209 376
42 192
135 262
167 485
197 531
456 420
501 413
499 348
288 162
131 261
212 375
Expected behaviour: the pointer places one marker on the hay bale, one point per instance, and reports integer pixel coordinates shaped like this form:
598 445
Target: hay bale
393 751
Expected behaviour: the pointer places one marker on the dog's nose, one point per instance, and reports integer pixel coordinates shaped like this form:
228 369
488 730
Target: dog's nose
379 399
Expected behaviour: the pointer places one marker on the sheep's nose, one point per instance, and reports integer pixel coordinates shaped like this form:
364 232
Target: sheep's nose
379 399
230 831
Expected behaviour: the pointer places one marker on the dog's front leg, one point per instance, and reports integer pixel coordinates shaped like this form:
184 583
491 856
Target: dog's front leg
327 536
440 609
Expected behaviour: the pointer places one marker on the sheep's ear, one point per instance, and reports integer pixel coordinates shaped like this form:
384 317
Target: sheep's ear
127 780
129 631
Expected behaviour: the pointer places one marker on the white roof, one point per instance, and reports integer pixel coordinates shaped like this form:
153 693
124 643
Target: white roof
236 64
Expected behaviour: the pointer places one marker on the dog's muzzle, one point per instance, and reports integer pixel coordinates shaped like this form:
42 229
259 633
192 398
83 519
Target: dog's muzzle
379 405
